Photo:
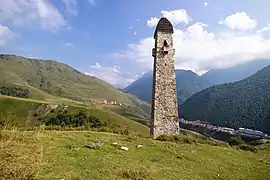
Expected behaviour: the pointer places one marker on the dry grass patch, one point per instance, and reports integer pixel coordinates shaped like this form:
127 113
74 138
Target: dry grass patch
20 156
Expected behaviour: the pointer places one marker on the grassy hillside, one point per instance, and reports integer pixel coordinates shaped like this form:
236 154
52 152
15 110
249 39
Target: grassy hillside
63 155
245 103
53 77
187 83
21 112
49 79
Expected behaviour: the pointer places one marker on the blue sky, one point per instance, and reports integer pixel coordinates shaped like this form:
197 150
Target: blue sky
113 39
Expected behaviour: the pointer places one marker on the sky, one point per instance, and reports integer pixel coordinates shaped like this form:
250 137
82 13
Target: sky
113 39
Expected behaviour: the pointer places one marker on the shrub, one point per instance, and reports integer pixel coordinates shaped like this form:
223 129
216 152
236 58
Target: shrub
80 119
177 138
104 129
246 147
35 114
163 138
124 130
258 142
236 141
189 139
137 174
14 91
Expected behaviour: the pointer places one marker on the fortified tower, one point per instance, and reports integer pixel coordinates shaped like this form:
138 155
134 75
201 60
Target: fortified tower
164 115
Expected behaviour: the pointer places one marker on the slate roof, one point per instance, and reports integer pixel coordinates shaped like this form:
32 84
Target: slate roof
164 25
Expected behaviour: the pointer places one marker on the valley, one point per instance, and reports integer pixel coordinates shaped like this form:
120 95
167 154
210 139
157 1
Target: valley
241 104
42 117
134 90
46 81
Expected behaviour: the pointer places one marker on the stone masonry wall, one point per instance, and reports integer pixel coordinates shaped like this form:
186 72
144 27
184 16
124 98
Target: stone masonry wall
164 117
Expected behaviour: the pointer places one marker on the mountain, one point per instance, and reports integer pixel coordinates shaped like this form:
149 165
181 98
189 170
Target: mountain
245 103
142 87
187 82
47 79
236 73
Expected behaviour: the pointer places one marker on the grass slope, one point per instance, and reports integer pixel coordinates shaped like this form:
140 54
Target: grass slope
20 112
47 79
46 155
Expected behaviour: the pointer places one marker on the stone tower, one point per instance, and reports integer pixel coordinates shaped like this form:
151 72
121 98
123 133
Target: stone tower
164 115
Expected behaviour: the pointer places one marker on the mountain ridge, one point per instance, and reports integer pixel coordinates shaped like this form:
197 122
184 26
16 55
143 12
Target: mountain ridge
47 79
187 81
235 73
244 103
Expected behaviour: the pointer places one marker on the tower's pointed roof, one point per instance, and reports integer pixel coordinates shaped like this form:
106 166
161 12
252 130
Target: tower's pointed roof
164 25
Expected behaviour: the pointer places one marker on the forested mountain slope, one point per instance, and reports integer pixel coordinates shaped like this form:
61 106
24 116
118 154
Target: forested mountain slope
245 103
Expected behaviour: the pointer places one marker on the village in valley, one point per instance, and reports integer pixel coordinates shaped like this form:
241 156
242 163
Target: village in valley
240 132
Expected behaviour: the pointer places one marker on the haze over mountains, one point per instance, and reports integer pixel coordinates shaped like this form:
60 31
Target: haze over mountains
236 73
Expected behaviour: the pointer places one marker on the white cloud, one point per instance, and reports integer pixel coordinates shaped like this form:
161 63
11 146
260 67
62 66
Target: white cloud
71 6
176 17
139 52
205 4
6 35
264 29
239 21
31 12
112 75
198 49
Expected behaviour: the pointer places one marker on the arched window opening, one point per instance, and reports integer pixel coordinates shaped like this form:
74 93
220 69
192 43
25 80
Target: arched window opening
165 47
